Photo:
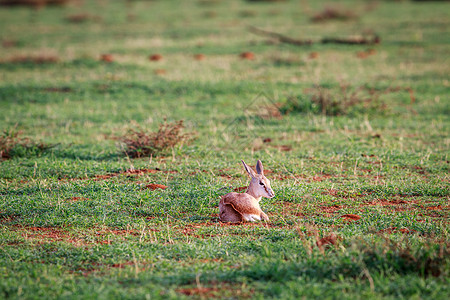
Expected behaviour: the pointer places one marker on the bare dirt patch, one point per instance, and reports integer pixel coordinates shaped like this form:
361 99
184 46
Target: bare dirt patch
397 230
34 59
43 235
217 290
247 55
199 56
138 172
109 58
155 186
76 199
327 240
351 217
331 209
155 57
384 202
240 189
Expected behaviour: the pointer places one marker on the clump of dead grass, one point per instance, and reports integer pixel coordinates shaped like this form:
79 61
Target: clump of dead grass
334 13
345 100
428 260
141 143
33 3
82 18
12 145
34 59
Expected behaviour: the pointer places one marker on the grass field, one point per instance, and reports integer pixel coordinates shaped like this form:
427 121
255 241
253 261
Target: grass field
354 138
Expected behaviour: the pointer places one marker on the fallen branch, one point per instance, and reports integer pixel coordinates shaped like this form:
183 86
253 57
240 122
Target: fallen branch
281 38
288 40
352 41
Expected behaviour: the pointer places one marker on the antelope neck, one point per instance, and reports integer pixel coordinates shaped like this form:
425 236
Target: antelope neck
250 192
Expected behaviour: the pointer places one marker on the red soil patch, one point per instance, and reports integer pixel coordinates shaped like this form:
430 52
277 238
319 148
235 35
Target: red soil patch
122 265
7 218
394 229
226 224
103 177
202 291
83 17
267 171
57 90
138 172
247 55
439 207
160 71
199 56
328 240
331 209
285 148
223 173
9 43
141 171
365 54
155 57
313 55
107 58
384 202
190 230
351 217
240 189
74 199
321 178
154 186
119 232
36 59
49 234
331 192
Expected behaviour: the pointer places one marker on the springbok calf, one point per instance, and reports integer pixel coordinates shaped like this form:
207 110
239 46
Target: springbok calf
239 207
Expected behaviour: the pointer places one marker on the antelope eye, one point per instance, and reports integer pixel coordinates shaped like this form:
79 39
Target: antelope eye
261 183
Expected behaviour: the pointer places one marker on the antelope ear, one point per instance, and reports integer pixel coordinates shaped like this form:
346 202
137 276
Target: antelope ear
259 168
248 169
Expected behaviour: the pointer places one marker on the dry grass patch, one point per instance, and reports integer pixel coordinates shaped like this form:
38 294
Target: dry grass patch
12 144
33 3
141 143
37 59
344 100
334 13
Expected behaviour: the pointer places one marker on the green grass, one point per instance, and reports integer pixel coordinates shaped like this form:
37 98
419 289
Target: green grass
77 222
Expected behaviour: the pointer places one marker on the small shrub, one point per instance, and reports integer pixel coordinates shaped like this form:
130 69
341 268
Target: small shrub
140 143
12 145
34 59
334 102
333 13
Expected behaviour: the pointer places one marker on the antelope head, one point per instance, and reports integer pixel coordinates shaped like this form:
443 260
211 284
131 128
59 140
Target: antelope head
259 185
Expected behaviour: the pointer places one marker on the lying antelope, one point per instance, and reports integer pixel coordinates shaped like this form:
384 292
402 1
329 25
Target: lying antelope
239 207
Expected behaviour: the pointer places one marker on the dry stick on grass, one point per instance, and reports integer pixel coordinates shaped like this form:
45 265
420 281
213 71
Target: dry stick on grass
33 3
33 59
288 40
281 38
375 39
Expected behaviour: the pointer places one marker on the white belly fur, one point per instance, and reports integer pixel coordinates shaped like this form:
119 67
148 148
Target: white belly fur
251 217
